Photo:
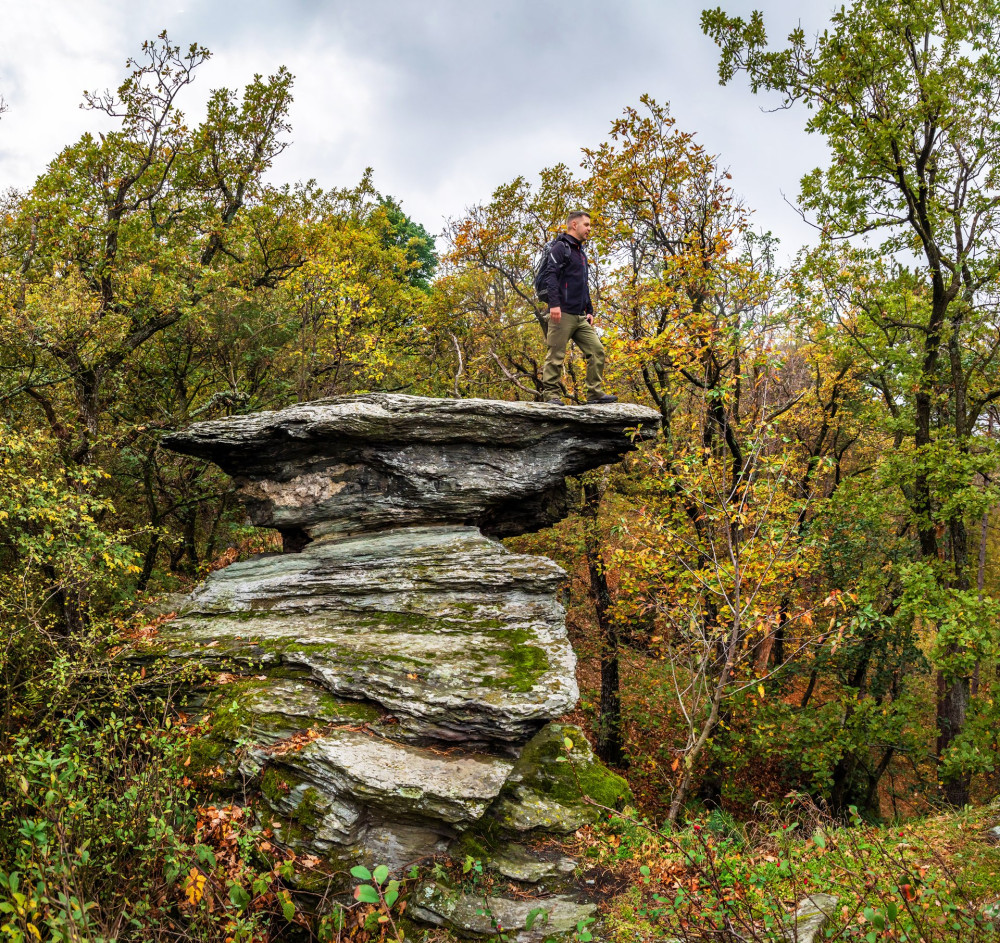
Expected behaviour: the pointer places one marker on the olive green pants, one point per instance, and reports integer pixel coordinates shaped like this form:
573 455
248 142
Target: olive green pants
573 327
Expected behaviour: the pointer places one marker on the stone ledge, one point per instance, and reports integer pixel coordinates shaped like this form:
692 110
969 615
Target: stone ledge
381 460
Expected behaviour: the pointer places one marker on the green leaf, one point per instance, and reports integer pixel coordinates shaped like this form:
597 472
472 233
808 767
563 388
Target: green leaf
381 873
261 883
391 897
239 896
361 873
366 894
568 743
288 910
533 915
205 855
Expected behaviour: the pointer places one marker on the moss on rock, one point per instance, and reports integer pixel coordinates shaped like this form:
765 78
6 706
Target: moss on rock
551 782
212 764
309 811
270 708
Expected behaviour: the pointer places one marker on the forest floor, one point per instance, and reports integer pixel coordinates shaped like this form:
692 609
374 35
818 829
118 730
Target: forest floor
931 879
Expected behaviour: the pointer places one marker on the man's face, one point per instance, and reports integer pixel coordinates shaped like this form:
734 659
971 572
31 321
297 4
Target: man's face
579 228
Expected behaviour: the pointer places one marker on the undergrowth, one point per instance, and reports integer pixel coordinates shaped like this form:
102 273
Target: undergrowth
717 879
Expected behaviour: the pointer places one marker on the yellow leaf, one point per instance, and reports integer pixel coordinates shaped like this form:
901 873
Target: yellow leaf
760 690
194 886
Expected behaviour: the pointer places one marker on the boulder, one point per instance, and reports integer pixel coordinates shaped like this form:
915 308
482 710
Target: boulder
362 463
811 918
476 915
557 785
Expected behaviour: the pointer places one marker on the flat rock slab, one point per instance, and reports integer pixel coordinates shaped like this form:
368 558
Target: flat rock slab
360 796
419 783
553 917
261 710
455 636
531 865
351 464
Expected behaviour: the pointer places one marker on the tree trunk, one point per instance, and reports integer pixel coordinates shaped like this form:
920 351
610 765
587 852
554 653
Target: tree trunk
777 658
984 526
610 746
954 692
952 707
149 562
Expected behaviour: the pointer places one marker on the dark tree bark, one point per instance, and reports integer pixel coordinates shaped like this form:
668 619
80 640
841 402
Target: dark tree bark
610 746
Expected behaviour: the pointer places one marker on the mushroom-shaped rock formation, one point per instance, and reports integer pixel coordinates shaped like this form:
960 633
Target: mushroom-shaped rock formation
392 682
363 463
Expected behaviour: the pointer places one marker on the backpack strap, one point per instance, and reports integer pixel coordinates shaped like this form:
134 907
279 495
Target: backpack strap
559 241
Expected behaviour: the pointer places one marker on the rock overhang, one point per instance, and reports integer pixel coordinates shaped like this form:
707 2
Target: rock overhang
335 425
381 460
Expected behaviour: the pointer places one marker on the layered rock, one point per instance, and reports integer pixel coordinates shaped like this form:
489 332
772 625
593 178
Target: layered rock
353 464
391 683
443 628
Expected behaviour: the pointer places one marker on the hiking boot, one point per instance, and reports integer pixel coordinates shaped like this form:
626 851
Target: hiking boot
554 400
601 399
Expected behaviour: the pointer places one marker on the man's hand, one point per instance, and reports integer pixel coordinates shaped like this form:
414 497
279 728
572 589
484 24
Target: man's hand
590 319
555 314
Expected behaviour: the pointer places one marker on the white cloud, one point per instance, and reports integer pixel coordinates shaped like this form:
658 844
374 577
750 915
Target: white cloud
445 99
49 53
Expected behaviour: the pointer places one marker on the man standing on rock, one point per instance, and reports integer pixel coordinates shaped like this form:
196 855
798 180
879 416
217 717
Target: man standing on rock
571 313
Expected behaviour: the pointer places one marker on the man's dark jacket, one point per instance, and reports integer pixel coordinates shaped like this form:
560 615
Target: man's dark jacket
568 284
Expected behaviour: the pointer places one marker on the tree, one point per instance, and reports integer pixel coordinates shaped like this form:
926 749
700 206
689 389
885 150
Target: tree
686 287
908 99
414 239
490 316
128 233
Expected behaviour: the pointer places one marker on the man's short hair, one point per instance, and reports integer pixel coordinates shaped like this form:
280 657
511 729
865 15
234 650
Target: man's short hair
576 214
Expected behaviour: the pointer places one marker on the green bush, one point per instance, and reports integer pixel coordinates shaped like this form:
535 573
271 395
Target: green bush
102 839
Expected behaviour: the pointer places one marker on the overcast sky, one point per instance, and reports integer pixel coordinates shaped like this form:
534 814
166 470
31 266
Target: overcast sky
445 99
